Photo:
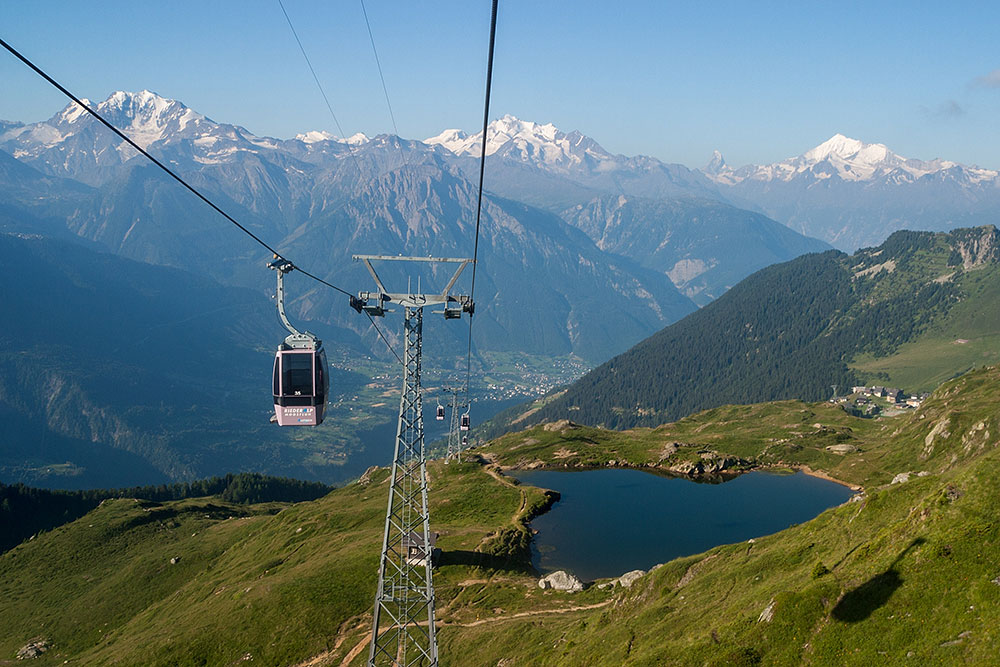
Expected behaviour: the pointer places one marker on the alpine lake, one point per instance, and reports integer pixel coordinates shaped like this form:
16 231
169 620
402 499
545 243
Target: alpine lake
608 522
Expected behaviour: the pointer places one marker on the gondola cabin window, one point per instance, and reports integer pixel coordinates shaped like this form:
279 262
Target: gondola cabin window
297 373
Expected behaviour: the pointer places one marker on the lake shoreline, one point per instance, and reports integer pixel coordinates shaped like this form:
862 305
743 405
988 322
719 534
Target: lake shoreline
828 477
710 478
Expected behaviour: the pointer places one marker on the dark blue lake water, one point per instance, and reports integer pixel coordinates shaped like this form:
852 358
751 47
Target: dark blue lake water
611 521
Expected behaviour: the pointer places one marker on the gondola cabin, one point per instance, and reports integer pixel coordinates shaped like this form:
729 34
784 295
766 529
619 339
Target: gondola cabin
465 423
301 385
440 413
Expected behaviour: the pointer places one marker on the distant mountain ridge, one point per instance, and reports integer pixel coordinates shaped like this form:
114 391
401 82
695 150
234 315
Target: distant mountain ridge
844 191
853 194
704 246
670 219
794 330
544 166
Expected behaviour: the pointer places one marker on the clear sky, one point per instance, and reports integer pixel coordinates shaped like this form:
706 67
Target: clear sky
760 81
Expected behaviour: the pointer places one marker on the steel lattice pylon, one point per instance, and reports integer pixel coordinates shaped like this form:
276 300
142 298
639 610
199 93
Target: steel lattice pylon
403 630
403 626
454 437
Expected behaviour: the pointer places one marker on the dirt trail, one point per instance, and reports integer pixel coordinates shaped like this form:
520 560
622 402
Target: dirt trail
322 658
491 470
366 640
522 614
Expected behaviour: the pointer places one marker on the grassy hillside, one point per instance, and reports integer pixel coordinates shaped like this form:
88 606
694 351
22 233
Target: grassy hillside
909 574
911 313
910 569
26 511
274 581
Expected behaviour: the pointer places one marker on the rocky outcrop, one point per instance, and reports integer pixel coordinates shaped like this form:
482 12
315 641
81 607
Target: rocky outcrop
561 581
904 477
559 425
668 450
767 615
975 247
709 463
33 649
366 477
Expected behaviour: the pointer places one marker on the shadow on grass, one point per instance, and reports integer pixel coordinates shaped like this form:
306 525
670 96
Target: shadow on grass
485 561
858 604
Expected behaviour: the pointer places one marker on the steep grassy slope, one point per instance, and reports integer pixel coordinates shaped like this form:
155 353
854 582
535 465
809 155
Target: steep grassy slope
898 313
275 582
968 337
910 569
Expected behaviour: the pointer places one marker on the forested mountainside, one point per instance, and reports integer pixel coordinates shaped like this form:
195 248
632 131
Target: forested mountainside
794 330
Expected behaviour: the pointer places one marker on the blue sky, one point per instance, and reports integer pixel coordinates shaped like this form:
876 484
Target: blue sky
759 81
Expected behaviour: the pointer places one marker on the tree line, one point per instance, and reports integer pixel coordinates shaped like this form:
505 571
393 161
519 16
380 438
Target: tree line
25 510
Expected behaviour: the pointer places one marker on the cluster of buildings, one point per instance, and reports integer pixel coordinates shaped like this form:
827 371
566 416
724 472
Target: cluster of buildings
862 399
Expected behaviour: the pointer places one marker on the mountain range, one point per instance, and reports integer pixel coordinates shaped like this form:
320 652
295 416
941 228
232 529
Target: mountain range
844 191
319 199
545 288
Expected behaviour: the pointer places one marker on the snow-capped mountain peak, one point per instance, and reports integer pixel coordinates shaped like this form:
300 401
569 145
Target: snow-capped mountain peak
498 133
845 159
145 116
717 164
357 139
454 140
316 136
73 112
526 141
840 147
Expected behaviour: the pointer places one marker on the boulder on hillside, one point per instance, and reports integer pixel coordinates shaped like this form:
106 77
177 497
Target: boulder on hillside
561 581
624 581
559 425
33 649
901 478
629 578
